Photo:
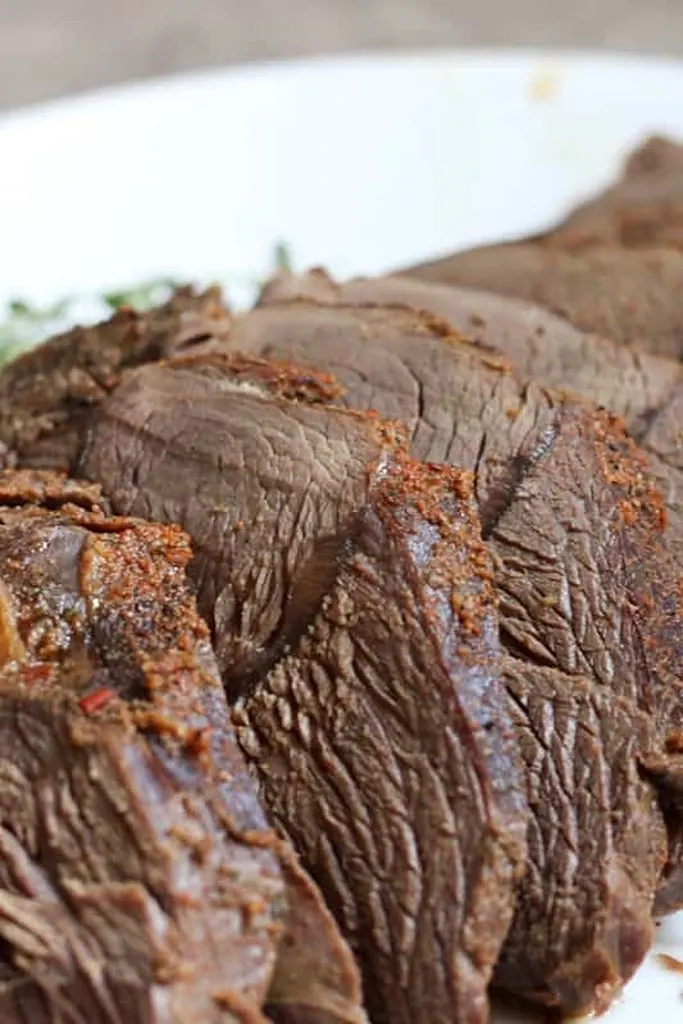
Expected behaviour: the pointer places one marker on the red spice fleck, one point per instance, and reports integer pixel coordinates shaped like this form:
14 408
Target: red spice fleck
97 699
36 674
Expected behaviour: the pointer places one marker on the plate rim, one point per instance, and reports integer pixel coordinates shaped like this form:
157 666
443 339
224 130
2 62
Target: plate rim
143 89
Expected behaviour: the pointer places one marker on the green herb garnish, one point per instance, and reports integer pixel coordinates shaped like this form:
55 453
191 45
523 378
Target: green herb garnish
26 325
141 297
283 256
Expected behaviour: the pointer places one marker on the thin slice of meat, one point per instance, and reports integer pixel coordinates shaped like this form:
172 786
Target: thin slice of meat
597 842
290 498
141 879
382 732
633 296
540 346
643 208
47 393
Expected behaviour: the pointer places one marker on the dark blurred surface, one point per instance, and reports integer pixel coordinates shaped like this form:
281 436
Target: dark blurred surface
50 47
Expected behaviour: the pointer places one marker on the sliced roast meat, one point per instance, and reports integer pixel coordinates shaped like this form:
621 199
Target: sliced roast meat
540 346
643 208
572 523
645 390
47 393
542 461
381 742
630 295
664 440
567 502
136 880
597 842
662 437
141 881
290 498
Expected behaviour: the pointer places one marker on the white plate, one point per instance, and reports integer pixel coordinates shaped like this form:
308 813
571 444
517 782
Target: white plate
359 163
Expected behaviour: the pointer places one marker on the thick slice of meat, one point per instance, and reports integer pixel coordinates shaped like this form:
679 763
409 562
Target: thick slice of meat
290 499
584 582
570 513
586 585
140 880
597 842
47 393
664 440
543 462
643 208
662 437
630 295
540 346
382 732
136 880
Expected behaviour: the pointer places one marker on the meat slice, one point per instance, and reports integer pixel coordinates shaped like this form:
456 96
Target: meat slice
584 581
47 393
352 602
540 346
634 296
362 758
139 877
316 979
614 267
645 390
136 878
643 208
597 842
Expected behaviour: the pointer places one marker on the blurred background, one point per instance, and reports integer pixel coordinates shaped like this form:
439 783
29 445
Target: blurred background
52 47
